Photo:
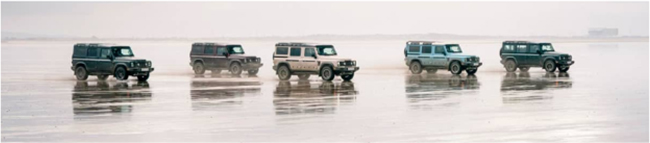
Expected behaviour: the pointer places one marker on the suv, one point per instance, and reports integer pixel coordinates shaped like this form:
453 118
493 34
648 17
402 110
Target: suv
217 57
524 54
108 59
305 59
431 56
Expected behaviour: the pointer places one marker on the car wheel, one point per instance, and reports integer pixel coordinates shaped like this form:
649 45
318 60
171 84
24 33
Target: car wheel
235 68
510 66
81 73
432 71
327 73
415 67
471 72
303 76
102 77
199 68
120 73
564 69
143 77
284 73
549 66
215 71
347 77
524 69
455 68
253 71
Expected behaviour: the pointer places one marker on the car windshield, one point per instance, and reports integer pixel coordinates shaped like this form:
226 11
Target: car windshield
235 50
123 52
453 49
326 51
547 47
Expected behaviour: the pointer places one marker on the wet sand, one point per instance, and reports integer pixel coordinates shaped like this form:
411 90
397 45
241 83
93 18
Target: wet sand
596 101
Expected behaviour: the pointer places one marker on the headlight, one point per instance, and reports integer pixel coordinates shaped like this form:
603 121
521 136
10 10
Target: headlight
148 63
132 64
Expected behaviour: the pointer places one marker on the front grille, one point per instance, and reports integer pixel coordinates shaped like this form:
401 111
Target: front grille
347 63
473 59
140 64
253 60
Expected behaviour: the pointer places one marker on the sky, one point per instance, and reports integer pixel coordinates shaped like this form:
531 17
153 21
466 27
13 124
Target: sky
253 19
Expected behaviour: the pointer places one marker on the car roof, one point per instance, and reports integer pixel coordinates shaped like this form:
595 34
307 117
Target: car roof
303 44
213 44
421 42
524 42
99 45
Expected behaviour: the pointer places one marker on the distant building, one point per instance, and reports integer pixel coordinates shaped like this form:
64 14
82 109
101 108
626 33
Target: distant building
603 32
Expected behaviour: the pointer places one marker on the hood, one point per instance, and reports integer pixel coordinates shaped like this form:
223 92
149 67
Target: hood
129 59
333 58
555 54
460 55
241 56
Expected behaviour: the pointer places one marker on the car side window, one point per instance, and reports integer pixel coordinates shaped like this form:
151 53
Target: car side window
414 48
295 52
197 49
508 48
281 50
440 50
221 51
426 49
92 52
533 48
104 53
522 48
208 50
309 52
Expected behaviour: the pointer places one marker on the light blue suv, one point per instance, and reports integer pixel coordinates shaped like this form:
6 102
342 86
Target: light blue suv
431 56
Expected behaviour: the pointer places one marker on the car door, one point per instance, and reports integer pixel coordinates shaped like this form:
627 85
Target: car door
413 52
92 55
522 54
295 55
438 57
308 61
221 61
534 57
209 56
426 55
104 63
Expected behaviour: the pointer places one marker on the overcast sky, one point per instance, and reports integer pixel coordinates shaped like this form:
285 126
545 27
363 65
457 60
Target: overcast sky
240 19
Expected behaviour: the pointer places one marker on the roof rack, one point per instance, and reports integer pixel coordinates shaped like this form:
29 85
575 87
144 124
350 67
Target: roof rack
298 44
414 42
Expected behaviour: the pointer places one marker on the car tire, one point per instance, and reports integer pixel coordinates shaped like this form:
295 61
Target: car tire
253 71
347 77
215 71
102 77
120 73
524 69
327 73
81 73
471 72
198 68
510 65
235 68
143 77
455 68
284 73
303 76
549 66
564 69
415 67
432 71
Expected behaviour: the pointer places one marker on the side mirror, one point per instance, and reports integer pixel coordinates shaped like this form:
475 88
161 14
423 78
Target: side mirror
314 55
110 57
225 54
539 52
444 53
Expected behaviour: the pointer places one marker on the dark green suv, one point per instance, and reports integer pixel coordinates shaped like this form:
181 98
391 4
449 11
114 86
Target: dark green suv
524 54
108 59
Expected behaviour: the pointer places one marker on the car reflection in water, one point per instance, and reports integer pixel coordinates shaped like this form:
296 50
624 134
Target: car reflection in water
521 87
306 97
426 91
222 91
101 98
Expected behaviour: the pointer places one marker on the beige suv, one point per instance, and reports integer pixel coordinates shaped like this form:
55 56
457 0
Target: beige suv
304 59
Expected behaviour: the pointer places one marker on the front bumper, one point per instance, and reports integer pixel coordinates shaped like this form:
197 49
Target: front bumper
250 66
472 65
565 63
346 70
139 71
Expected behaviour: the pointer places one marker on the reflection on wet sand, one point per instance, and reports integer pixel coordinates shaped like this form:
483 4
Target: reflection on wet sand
221 91
427 90
521 87
307 98
103 98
